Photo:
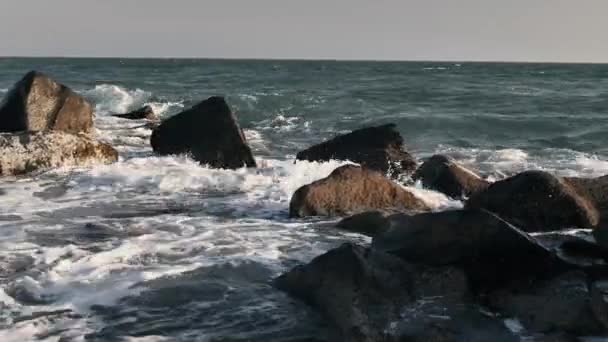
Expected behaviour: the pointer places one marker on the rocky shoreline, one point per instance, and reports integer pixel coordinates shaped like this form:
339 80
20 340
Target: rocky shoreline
427 276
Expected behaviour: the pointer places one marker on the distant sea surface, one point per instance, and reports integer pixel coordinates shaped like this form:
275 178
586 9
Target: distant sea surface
161 249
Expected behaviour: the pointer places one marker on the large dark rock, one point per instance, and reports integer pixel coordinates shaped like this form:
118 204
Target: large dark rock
537 201
492 252
443 174
567 303
38 103
26 152
146 112
209 132
370 223
349 190
378 148
373 296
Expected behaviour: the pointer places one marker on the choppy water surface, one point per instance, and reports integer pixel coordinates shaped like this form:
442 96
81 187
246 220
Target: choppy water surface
161 249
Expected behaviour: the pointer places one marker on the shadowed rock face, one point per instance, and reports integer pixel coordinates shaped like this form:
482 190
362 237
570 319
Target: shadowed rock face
209 132
370 223
145 112
32 151
537 201
491 251
378 148
373 296
443 174
352 189
38 103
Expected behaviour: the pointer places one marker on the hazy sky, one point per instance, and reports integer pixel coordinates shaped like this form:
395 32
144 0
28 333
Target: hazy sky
513 30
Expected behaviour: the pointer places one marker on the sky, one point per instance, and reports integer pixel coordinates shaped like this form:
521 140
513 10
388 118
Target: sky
454 30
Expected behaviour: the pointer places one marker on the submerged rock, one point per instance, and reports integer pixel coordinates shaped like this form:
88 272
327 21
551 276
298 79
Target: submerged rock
209 132
32 151
492 252
443 174
537 201
373 296
38 103
352 189
378 148
146 112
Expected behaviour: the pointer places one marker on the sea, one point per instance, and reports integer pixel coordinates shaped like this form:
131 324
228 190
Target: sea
154 248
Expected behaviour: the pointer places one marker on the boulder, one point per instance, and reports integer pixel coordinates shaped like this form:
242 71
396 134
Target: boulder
537 201
565 303
370 223
378 148
25 152
349 190
209 132
443 174
372 296
38 103
146 112
492 252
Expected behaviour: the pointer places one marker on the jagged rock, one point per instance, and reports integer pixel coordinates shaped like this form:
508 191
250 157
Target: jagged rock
378 148
146 112
352 189
25 152
370 223
209 132
38 103
564 303
373 296
492 252
443 174
537 201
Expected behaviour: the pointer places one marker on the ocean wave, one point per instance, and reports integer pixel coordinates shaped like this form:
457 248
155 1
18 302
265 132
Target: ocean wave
112 99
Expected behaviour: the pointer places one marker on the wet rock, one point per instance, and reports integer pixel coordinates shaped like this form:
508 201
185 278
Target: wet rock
561 304
38 103
373 296
34 151
493 253
352 189
370 223
209 132
146 112
378 148
443 174
537 201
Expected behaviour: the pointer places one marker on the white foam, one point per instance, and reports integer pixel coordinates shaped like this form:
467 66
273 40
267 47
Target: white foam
111 98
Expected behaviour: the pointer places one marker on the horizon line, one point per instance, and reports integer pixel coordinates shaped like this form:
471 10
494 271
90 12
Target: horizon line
290 59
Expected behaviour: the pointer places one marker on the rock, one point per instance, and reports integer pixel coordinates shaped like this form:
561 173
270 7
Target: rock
378 148
38 103
443 174
209 132
370 223
351 189
373 296
537 201
25 152
561 304
492 252
146 112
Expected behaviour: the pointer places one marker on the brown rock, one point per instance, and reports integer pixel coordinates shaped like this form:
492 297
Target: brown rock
33 151
443 174
378 148
370 223
37 103
537 201
209 132
349 190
